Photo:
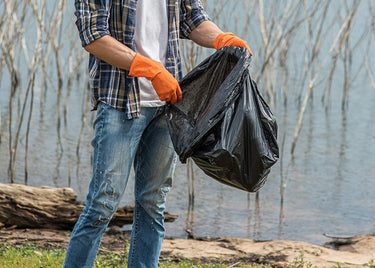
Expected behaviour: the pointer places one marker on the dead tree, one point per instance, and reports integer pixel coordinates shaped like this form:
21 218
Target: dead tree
48 207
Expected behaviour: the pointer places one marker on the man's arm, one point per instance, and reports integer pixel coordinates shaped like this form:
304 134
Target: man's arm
112 51
119 55
205 34
92 24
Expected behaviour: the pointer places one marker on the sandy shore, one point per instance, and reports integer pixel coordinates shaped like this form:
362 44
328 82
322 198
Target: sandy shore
355 251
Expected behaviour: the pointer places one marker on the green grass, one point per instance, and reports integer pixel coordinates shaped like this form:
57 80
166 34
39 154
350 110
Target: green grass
29 256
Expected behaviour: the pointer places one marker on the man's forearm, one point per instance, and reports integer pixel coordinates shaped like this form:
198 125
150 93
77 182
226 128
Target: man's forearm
205 34
112 51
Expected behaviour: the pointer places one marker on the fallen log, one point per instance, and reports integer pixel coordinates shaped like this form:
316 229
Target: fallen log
51 208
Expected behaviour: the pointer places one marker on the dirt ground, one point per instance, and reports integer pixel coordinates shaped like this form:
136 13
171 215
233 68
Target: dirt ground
355 251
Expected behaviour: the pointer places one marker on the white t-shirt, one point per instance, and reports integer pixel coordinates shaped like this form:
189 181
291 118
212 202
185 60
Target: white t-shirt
151 40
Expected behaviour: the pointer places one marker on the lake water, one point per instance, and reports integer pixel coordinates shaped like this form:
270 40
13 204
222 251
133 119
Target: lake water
329 184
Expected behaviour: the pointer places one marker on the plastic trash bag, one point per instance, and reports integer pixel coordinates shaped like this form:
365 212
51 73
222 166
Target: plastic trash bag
223 123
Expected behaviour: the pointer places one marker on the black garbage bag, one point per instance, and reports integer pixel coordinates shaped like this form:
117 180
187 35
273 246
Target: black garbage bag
223 123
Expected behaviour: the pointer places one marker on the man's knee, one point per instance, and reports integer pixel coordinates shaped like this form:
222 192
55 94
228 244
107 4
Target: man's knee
153 202
103 205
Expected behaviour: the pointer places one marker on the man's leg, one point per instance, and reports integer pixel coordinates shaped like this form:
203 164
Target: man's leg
154 166
115 145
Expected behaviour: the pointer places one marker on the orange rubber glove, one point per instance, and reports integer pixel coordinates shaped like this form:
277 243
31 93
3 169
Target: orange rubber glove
165 85
229 39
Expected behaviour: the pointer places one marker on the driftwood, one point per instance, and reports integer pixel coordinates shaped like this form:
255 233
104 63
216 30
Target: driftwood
47 207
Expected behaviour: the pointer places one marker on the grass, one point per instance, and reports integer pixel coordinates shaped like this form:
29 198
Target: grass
30 256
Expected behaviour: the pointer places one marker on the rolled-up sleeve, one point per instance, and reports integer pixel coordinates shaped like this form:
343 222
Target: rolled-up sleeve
191 15
92 19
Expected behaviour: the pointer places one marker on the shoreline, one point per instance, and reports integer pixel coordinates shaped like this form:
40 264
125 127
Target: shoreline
356 251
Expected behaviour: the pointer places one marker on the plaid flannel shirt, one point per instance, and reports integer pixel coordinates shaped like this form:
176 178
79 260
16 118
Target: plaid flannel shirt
96 18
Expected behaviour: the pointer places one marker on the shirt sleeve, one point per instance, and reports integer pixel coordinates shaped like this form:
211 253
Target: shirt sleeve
191 15
92 19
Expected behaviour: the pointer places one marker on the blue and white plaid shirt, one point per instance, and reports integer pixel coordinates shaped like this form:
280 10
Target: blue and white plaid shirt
96 18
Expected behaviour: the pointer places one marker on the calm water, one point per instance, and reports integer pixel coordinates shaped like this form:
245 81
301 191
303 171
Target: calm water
329 185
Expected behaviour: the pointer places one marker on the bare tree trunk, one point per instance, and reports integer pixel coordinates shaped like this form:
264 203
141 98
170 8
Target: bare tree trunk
48 207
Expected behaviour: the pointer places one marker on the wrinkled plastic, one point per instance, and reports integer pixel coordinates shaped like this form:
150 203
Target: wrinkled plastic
223 123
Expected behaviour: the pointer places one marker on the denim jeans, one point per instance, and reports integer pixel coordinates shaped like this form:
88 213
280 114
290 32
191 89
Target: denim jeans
118 143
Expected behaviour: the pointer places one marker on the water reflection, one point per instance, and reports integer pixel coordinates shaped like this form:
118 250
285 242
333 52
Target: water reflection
191 192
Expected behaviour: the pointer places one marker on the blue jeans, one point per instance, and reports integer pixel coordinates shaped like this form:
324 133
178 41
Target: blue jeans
118 143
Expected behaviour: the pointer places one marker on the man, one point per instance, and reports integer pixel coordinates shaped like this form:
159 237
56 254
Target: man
134 62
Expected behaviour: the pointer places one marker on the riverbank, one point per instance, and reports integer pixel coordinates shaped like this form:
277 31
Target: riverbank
357 251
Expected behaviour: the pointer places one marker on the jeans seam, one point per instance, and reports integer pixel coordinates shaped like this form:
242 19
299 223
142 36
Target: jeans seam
135 233
101 127
136 213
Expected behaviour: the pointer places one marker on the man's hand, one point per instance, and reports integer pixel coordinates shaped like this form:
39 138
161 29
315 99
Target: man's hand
165 85
229 39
